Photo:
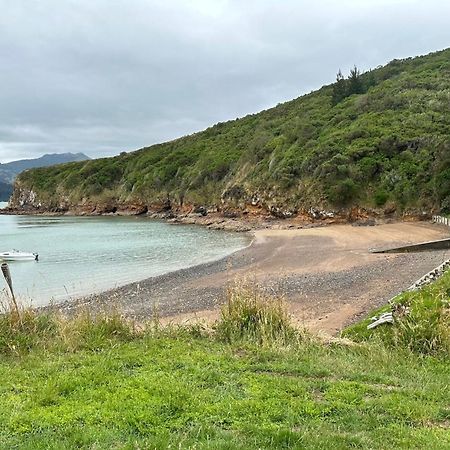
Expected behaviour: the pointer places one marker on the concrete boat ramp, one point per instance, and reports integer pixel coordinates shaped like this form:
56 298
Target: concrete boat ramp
442 244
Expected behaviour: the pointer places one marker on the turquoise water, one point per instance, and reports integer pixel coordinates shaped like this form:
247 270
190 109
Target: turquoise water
83 255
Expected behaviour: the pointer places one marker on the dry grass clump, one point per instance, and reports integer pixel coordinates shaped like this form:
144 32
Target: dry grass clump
22 329
94 331
250 314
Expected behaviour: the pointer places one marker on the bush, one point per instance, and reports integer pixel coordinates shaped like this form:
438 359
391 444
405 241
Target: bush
251 315
381 197
343 192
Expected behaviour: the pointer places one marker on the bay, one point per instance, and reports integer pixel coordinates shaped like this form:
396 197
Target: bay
85 255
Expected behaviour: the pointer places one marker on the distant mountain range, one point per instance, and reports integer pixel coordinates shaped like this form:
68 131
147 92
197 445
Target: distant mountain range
9 171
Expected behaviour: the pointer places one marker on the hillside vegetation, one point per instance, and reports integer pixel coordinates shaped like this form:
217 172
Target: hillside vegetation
379 140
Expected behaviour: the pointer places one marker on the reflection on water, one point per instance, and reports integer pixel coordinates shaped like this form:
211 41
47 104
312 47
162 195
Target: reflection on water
39 221
81 255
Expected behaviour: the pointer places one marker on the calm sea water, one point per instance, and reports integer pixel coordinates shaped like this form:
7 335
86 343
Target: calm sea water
83 255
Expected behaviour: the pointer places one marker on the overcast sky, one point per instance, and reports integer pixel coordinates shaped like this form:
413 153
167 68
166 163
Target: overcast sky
103 76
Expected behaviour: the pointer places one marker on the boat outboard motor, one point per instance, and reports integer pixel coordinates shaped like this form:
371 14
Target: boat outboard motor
36 256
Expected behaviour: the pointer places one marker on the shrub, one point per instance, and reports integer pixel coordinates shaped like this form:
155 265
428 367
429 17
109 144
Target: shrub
343 192
381 197
251 315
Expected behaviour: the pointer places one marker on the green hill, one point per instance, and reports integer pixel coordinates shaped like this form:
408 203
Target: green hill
380 140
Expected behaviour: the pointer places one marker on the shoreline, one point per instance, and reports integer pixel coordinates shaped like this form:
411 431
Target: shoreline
233 220
327 275
114 296
213 221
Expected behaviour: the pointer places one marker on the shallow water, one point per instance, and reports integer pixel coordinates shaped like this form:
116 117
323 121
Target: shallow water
83 255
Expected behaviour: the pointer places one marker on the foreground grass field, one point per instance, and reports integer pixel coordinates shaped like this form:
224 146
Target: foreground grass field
253 382
180 391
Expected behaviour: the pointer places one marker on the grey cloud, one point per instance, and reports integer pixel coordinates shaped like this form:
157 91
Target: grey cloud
112 75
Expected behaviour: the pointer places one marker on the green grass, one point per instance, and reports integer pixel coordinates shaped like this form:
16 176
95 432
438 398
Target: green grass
101 382
180 391
425 329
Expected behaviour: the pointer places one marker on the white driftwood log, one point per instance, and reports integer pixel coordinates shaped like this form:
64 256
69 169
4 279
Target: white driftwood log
384 318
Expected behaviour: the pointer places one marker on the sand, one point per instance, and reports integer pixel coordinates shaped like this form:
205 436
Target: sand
328 276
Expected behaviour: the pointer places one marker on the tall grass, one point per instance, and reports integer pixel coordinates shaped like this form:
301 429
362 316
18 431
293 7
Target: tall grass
22 329
422 324
95 331
421 321
250 314
19 336
426 328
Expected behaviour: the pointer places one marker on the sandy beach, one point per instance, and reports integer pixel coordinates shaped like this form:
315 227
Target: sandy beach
328 275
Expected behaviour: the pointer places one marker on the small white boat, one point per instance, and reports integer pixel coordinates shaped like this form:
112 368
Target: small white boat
16 255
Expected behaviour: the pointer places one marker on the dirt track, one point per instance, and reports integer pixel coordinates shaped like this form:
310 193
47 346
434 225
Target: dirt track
328 275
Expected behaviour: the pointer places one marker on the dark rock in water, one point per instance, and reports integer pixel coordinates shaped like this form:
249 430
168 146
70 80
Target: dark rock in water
142 210
163 215
168 215
58 210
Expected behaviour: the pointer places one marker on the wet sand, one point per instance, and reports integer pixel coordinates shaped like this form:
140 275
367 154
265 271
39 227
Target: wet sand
328 275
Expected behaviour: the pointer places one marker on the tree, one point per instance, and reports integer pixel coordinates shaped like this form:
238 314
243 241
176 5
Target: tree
339 89
355 85
369 80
